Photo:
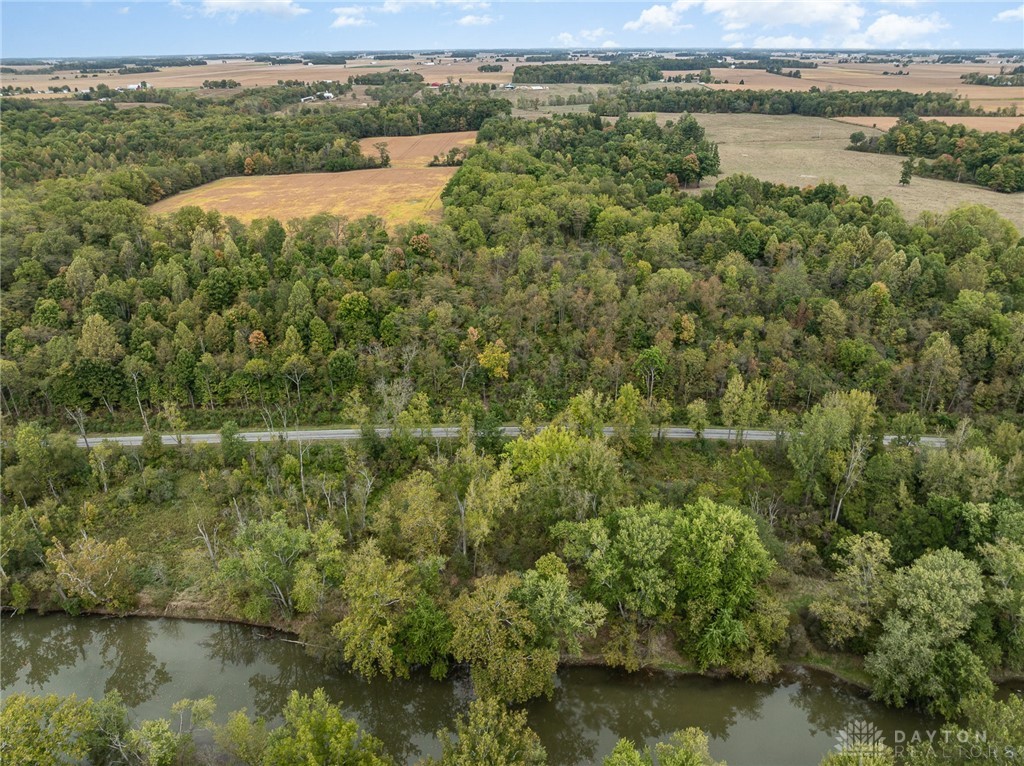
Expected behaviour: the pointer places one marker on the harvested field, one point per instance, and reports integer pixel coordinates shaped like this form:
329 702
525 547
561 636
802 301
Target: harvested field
999 124
252 74
407 191
804 151
922 78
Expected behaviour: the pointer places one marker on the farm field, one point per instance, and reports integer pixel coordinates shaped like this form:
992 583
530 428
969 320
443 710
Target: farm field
998 124
407 191
860 77
803 151
253 74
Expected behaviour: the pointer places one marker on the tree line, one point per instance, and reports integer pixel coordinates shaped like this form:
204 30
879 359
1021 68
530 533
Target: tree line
991 159
144 155
812 103
56 729
642 70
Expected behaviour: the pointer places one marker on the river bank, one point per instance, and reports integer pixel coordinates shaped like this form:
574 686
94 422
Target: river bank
841 667
791 720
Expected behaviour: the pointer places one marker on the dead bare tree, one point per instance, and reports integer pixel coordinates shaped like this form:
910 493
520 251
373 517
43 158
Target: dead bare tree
78 418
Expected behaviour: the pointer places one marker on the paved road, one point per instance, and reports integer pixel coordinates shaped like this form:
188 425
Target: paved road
672 433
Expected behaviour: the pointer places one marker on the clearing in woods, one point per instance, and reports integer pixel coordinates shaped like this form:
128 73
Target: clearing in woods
789 149
806 151
407 191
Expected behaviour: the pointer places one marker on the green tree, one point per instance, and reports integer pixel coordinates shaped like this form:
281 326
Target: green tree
377 592
906 171
687 747
830 451
729 616
232 448
413 514
565 476
697 417
650 365
261 573
922 655
99 341
860 591
45 463
494 634
512 629
558 612
628 562
48 730
491 734
94 573
631 423
316 731
1003 563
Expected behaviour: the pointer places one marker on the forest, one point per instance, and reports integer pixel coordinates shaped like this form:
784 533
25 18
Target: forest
579 280
953 152
1013 79
615 72
105 154
812 103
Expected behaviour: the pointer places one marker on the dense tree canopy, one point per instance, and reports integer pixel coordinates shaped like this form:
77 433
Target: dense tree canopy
577 281
956 153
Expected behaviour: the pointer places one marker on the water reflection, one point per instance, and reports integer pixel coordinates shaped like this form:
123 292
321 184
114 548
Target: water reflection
404 713
37 655
154 663
593 708
830 705
34 657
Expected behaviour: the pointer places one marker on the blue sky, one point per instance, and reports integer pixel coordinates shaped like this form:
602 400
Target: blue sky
140 27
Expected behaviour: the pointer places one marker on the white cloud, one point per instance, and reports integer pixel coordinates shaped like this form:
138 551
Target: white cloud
397 6
653 18
659 18
1012 14
185 10
829 14
124 9
235 8
783 41
890 30
473 20
804 23
586 38
350 16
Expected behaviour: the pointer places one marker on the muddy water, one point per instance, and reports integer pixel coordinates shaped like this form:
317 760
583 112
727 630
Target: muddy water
153 663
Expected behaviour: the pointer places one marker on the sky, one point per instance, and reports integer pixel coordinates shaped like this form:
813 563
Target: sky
43 28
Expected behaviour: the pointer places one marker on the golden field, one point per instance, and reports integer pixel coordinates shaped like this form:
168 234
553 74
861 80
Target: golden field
922 78
407 191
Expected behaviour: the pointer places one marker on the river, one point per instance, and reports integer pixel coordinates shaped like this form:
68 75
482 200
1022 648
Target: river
792 721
